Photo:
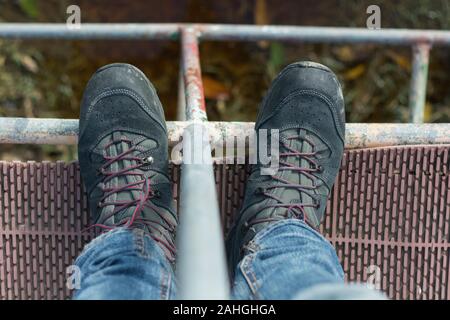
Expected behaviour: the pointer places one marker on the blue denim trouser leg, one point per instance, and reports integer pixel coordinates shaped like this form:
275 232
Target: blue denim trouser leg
124 264
290 260
284 259
287 260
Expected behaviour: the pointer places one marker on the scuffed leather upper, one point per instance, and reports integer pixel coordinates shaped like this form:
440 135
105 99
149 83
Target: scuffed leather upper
304 101
119 103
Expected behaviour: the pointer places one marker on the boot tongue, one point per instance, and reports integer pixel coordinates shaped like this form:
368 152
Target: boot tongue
143 146
290 194
304 142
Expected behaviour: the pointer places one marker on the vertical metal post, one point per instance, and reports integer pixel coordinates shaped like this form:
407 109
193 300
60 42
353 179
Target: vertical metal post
418 90
195 99
181 107
202 269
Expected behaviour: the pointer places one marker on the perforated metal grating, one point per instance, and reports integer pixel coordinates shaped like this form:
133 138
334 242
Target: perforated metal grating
388 214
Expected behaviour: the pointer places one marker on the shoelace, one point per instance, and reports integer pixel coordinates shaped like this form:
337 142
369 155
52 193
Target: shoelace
296 210
145 194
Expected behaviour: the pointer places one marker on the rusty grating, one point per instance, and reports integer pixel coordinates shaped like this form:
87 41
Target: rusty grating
390 208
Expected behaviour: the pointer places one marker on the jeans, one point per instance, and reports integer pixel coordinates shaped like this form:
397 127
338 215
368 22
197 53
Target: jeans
287 260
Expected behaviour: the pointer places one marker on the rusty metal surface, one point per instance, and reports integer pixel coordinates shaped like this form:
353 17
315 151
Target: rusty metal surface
223 32
193 86
38 131
389 209
369 135
358 135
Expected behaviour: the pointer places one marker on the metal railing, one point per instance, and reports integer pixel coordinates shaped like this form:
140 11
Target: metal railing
201 261
420 40
357 135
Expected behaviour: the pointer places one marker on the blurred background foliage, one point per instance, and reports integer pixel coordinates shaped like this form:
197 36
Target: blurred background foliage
46 78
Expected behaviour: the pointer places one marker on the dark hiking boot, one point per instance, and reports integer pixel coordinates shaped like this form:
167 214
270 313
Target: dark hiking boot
306 105
123 155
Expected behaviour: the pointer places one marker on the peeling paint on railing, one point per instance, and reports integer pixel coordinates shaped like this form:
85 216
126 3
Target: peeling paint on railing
358 135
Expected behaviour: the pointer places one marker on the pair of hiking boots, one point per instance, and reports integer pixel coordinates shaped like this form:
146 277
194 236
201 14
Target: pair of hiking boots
123 154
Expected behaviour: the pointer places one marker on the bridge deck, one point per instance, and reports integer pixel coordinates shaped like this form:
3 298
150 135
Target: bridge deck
390 209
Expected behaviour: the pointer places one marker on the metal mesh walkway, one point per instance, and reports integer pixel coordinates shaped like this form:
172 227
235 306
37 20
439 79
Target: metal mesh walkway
390 209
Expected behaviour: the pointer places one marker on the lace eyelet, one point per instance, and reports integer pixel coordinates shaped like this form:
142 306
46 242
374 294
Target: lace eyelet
320 168
148 160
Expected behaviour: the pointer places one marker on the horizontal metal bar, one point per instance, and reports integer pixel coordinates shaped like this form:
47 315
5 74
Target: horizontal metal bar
90 31
38 131
324 34
358 135
224 32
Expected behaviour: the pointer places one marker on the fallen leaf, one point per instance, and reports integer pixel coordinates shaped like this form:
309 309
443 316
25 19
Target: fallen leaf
214 89
355 72
402 61
29 64
345 53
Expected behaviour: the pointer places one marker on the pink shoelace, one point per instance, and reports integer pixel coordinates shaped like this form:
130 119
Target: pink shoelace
297 210
143 187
